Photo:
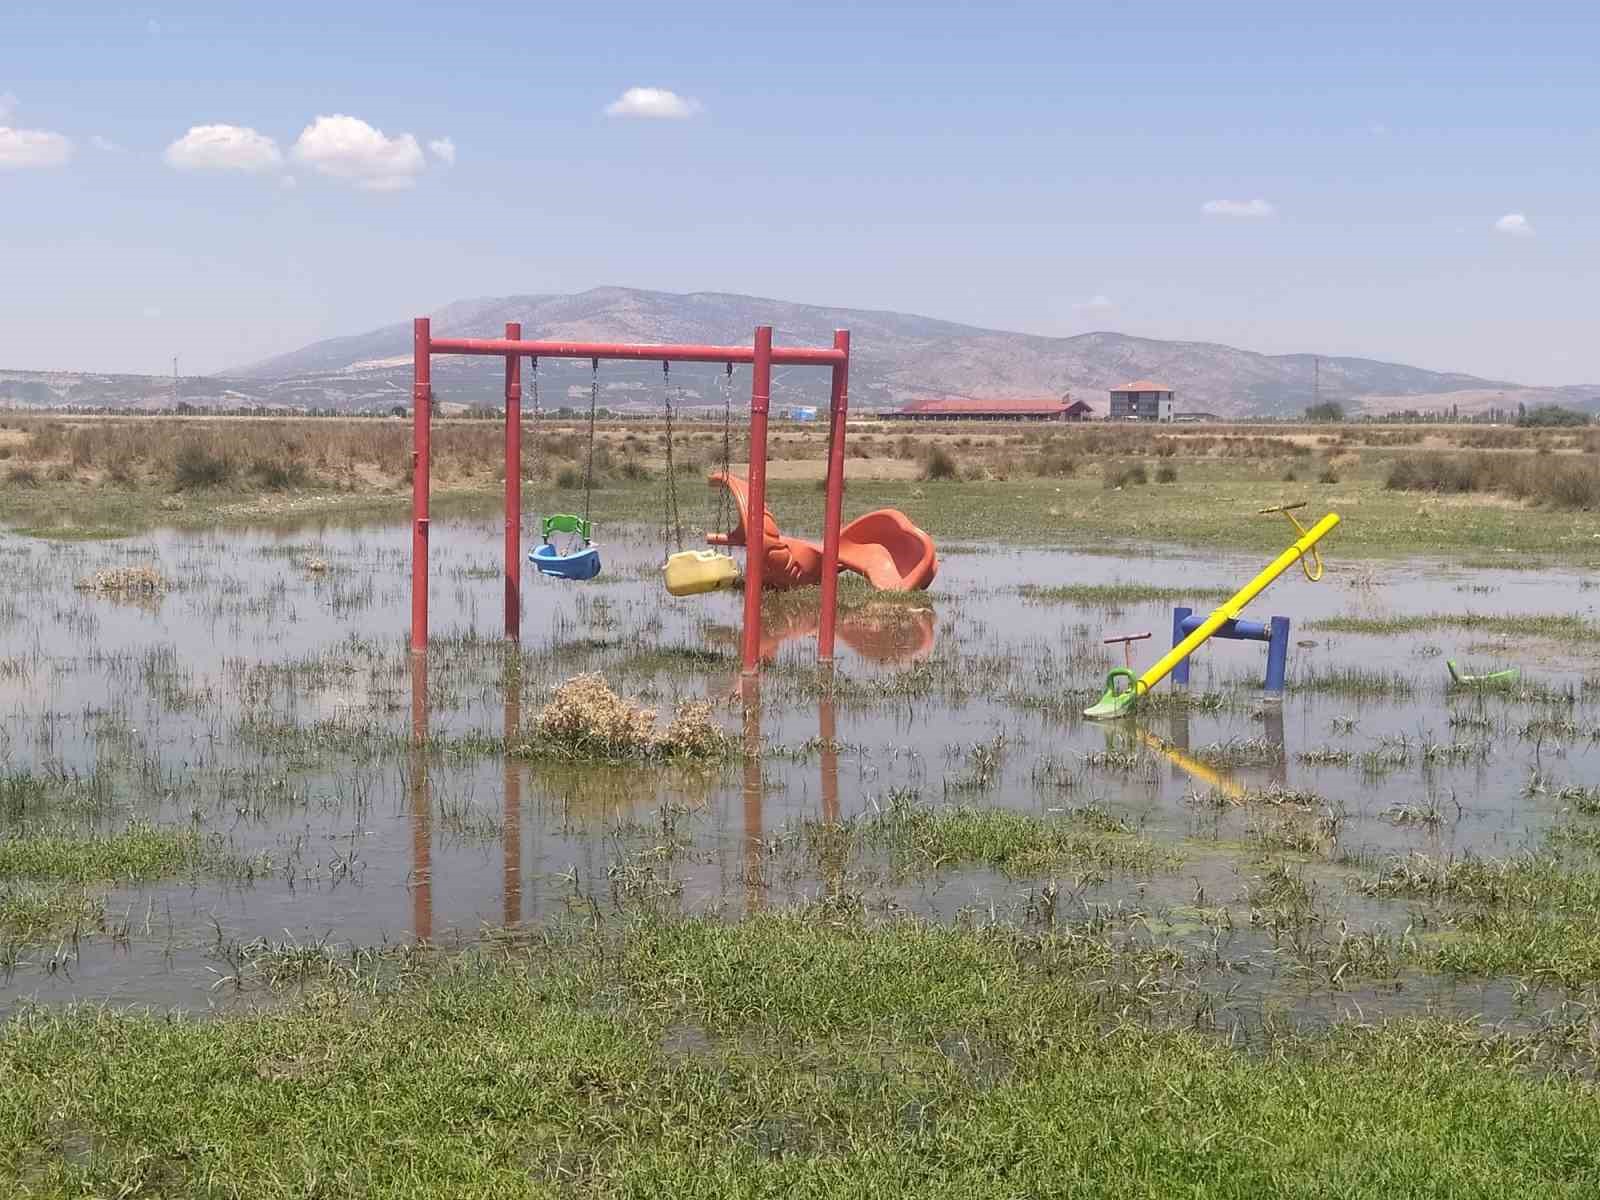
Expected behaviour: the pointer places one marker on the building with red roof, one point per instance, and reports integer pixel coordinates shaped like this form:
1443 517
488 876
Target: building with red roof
967 409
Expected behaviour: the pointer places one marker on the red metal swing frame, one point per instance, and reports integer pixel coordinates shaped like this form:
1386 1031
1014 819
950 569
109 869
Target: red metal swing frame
761 355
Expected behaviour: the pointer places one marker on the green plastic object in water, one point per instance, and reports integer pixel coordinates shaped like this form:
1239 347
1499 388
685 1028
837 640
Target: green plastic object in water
1115 703
567 523
1491 679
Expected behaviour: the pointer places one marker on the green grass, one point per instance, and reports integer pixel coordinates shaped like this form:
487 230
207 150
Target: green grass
139 852
802 1055
1111 595
29 912
1535 916
1021 844
1564 627
1354 682
1213 505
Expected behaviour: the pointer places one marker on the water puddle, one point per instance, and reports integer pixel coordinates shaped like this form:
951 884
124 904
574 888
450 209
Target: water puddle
268 700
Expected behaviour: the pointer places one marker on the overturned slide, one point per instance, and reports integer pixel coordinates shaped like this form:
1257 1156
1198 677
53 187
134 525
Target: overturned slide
882 545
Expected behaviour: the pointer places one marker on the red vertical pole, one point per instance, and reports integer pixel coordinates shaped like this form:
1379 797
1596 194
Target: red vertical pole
421 440
756 536
838 403
513 486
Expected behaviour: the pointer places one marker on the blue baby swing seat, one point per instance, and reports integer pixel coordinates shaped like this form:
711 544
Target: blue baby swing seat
579 560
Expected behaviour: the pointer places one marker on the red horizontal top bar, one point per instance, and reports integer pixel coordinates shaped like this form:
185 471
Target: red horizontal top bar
792 356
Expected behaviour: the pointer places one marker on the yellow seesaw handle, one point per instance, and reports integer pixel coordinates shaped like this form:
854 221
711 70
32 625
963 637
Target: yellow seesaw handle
1234 606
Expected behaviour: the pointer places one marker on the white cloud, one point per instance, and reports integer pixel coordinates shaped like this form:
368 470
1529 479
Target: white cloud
223 148
106 144
1238 208
8 104
1515 225
1095 303
652 102
444 150
288 183
33 148
348 148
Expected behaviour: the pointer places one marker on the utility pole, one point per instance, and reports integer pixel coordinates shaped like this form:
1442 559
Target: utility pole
174 381
1316 381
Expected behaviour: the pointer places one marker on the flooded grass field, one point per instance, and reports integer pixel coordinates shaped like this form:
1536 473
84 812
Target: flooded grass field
233 762
228 788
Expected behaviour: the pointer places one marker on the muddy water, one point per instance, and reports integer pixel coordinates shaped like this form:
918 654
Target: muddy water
269 699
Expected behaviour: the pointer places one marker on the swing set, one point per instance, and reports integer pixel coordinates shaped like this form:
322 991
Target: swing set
688 572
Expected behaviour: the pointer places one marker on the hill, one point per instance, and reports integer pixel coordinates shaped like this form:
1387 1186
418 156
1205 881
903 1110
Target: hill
895 357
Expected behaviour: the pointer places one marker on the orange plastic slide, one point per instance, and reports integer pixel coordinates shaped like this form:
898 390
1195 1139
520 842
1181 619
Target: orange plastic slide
882 545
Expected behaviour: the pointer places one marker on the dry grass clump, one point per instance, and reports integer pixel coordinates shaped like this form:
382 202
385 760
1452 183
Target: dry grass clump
1561 482
1121 475
585 719
142 579
939 463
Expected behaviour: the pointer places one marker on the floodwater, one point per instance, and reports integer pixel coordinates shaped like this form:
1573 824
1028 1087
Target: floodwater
270 701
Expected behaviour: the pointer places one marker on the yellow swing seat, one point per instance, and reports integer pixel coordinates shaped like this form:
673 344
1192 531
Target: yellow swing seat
695 572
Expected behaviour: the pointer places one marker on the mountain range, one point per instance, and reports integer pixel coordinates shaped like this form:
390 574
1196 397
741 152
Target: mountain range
895 357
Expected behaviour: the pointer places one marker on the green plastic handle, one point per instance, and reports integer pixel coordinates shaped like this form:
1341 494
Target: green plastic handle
566 523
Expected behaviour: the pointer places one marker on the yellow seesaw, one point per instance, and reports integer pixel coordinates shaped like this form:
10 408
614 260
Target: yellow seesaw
1117 703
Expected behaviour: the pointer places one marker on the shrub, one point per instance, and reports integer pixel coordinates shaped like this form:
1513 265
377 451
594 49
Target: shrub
1117 475
1166 473
569 477
196 466
279 476
634 471
23 477
1055 464
1551 415
1328 475
1564 481
939 463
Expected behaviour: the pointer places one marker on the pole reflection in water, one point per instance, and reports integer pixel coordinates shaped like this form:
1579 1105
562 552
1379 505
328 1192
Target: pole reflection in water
511 836
750 694
828 728
1272 730
421 801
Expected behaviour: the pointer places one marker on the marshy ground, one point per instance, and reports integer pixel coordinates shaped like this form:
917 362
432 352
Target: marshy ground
283 913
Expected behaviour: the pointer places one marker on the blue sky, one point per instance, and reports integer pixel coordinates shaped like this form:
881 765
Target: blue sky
1415 183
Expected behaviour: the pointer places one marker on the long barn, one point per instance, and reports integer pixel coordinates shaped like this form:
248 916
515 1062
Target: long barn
1064 409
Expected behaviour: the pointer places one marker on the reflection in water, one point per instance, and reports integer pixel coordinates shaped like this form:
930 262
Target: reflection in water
877 630
1175 749
511 835
1272 731
828 731
750 694
421 805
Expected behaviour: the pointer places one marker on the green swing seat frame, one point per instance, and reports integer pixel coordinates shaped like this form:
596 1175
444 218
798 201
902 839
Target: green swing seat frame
549 559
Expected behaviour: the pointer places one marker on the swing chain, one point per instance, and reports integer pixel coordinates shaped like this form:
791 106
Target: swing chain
725 494
538 423
588 470
672 532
